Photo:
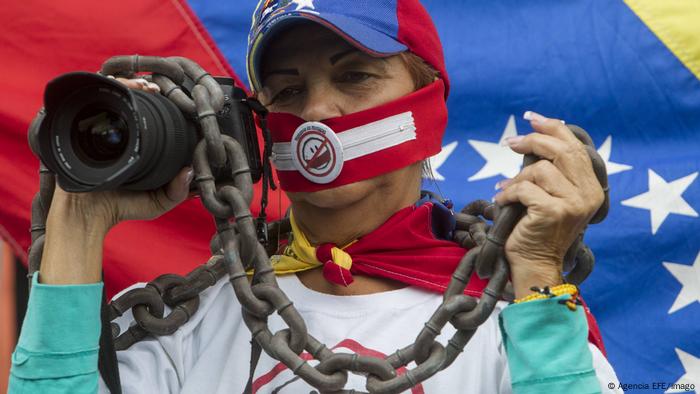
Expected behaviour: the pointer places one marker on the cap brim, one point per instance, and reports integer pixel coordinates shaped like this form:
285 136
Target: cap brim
355 33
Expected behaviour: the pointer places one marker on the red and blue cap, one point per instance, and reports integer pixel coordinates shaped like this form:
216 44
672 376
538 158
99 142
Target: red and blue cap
377 27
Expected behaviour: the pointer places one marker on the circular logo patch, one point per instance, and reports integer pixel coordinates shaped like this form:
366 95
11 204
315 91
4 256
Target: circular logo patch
317 152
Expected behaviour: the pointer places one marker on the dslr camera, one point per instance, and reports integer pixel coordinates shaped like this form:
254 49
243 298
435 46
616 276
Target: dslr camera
97 134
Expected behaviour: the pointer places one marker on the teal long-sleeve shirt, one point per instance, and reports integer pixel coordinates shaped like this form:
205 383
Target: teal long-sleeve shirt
546 344
58 347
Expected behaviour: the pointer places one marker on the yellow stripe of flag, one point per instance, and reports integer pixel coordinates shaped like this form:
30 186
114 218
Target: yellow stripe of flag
677 24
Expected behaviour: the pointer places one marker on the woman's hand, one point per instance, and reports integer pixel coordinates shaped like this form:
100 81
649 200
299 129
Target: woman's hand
561 194
108 208
77 223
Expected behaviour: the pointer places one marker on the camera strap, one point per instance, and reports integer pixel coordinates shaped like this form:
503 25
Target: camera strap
255 352
107 362
267 180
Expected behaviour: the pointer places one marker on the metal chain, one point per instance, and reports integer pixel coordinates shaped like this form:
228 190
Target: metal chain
224 181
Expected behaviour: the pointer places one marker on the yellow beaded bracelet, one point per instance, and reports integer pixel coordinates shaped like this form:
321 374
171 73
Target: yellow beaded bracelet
555 291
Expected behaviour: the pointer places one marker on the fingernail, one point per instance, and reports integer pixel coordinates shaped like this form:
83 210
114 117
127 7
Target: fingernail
534 117
190 176
154 87
503 183
141 82
513 141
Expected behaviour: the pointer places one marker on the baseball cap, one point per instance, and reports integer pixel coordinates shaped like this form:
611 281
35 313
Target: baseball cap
377 27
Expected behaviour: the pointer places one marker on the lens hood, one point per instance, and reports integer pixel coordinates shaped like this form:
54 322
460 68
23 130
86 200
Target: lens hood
97 134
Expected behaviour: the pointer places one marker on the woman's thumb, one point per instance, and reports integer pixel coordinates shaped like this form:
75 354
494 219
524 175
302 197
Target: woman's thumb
178 189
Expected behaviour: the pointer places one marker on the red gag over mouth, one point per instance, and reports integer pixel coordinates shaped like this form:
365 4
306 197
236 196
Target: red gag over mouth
313 156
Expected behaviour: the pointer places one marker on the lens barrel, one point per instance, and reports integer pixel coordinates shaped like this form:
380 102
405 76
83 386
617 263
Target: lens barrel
97 134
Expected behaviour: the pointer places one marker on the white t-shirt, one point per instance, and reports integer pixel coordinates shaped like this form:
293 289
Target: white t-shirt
211 352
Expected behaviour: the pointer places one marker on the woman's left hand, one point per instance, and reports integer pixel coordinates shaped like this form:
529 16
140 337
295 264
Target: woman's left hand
561 194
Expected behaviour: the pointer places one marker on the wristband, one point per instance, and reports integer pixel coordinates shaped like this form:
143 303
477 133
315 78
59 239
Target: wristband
555 291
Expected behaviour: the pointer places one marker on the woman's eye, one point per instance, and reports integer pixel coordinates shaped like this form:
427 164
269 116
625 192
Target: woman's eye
354 77
285 94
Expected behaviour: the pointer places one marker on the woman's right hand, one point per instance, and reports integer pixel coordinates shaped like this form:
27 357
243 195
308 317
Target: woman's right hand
77 223
108 208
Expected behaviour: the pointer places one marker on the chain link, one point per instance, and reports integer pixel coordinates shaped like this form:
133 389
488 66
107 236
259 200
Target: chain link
224 181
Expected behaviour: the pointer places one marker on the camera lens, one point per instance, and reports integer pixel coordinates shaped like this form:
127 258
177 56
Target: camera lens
99 136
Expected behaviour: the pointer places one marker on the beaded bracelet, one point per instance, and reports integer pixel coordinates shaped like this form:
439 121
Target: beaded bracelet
555 291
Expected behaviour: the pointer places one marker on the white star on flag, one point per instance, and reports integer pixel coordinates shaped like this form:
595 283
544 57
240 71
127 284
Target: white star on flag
438 160
689 277
604 152
691 364
304 4
500 160
663 198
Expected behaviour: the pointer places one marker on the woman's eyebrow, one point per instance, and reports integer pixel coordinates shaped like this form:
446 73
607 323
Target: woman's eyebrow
360 60
282 71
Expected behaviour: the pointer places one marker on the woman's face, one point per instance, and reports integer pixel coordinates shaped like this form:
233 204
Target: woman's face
312 73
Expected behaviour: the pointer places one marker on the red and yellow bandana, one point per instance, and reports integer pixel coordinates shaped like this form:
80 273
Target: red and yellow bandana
404 249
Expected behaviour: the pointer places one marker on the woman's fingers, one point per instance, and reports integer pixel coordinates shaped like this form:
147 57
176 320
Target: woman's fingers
569 156
524 192
179 188
151 204
548 126
562 185
547 176
140 84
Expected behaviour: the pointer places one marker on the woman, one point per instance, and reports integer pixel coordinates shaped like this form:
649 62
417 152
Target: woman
357 93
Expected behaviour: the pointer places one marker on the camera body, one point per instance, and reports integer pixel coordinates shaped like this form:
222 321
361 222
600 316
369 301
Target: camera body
236 119
97 134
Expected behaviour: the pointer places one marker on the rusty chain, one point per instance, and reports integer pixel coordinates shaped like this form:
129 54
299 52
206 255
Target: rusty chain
223 178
